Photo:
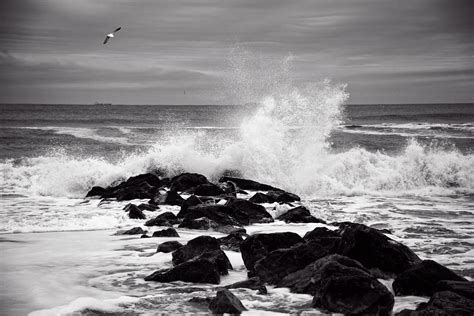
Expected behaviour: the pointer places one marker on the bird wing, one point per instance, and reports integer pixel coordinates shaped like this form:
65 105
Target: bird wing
106 39
118 29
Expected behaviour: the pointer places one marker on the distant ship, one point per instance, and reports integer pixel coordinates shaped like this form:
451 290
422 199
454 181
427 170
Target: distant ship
100 103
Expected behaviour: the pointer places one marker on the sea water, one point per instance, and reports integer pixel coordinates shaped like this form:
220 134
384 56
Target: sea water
406 168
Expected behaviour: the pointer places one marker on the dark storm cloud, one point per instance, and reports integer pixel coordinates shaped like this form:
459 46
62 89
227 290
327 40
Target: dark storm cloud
387 51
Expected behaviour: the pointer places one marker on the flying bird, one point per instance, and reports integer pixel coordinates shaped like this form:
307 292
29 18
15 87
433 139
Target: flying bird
110 35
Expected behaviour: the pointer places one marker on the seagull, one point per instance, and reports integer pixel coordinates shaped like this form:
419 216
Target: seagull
110 35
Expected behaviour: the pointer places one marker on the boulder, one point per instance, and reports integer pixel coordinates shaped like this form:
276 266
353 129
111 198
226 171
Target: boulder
462 288
145 236
218 259
190 201
169 232
320 232
281 262
228 188
253 283
195 247
422 278
375 250
299 214
221 214
202 223
246 184
169 246
232 241
226 303
256 213
208 189
282 196
173 198
258 246
135 213
164 219
260 198
139 187
147 207
134 231
443 303
186 181
197 271
97 191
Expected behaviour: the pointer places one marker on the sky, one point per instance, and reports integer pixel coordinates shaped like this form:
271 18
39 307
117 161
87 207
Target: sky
386 51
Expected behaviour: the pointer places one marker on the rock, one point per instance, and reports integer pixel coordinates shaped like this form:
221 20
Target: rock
282 196
226 303
222 215
150 178
228 188
231 241
186 181
421 279
164 219
190 201
202 223
97 191
169 246
258 246
443 303
320 232
147 207
135 213
375 250
281 262
341 285
218 259
169 232
253 283
195 247
299 214
208 189
256 213
261 198
134 231
201 301
246 184
197 271
173 198
145 236
462 288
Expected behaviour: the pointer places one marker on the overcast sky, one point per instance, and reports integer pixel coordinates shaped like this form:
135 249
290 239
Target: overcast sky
387 51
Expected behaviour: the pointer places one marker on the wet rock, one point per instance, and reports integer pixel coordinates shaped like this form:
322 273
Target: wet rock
443 303
196 271
261 198
222 215
169 246
462 288
320 232
228 188
195 247
208 189
201 301
169 232
173 198
422 278
134 231
256 213
258 246
139 187
281 262
299 214
375 250
226 303
253 283
164 219
135 213
202 223
97 191
218 259
147 207
190 201
145 236
232 241
187 181
246 184
283 196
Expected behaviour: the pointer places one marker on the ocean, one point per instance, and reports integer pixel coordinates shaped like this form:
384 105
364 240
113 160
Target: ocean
408 168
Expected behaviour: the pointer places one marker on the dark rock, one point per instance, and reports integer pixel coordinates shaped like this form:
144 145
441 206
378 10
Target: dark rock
222 215
202 223
135 213
232 241
283 196
375 250
173 198
253 283
208 189
256 213
97 191
150 178
197 271
187 181
190 201
261 198
258 246
147 207
169 246
421 279
145 236
299 214
281 262
164 219
462 288
169 232
445 303
195 247
228 187
246 184
218 259
201 300
226 302
320 232
134 231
